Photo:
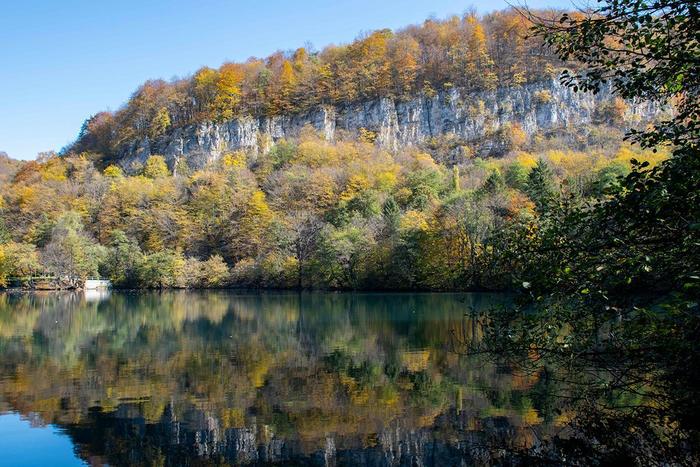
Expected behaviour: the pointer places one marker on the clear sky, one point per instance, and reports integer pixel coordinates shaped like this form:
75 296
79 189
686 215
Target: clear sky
62 61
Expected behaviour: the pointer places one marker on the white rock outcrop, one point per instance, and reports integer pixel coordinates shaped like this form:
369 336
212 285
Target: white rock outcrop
397 124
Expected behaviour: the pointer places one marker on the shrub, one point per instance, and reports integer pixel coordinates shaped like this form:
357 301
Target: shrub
113 171
155 167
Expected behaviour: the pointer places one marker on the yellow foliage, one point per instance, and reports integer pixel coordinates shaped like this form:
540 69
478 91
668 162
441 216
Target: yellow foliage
518 201
573 162
424 161
235 159
26 196
414 220
290 267
386 180
347 381
516 135
259 370
564 418
125 202
51 404
367 136
490 165
153 411
228 91
388 396
625 154
155 167
287 76
426 420
54 169
232 418
555 156
301 188
356 184
160 123
543 97
403 195
257 207
351 151
3 268
205 84
526 159
322 192
255 220
415 361
360 396
531 417
316 153
113 171
81 206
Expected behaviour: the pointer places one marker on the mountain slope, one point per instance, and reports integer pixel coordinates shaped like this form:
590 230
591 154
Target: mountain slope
474 123
415 66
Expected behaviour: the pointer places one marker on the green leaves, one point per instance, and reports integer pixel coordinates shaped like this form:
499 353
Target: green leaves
621 276
645 51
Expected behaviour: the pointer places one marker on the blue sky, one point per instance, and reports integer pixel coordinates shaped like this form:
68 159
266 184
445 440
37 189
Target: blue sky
65 60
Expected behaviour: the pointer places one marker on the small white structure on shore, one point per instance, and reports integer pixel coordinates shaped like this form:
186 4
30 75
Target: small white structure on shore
97 284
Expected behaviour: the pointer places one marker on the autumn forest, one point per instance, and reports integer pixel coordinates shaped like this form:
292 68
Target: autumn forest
541 168
311 212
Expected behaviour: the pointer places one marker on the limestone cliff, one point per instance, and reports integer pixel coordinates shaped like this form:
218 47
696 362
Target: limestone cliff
470 118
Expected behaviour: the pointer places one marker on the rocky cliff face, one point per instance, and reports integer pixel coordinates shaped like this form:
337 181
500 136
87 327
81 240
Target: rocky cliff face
199 439
469 118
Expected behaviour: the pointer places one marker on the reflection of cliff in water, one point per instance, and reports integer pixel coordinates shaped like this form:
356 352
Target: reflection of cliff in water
183 378
125 438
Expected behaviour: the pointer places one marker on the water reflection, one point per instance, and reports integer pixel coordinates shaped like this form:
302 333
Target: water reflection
28 443
324 379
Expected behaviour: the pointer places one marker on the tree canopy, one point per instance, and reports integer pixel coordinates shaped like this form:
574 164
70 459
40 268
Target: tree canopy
611 285
471 52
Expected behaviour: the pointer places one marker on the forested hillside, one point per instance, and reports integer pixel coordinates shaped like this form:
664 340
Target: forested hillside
311 211
470 53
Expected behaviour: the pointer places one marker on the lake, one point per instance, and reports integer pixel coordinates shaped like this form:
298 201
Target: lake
217 377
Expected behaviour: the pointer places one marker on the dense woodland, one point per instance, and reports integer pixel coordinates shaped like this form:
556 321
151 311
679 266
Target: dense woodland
310 213
469 52
612 288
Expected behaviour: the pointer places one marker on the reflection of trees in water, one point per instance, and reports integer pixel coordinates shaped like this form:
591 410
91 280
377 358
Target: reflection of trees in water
614 384
359 378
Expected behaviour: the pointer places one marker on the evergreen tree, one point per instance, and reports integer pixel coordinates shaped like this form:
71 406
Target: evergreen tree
540 186
516 176
392 214
493 184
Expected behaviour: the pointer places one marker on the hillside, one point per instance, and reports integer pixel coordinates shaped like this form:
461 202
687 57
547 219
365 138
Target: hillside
8 167
417 76
478 123
395 162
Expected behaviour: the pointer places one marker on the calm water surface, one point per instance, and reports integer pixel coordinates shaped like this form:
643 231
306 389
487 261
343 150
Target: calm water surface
189 378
